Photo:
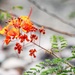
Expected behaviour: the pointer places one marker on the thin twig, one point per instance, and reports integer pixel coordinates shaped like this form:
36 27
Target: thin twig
51 14
49 28
53 54
1 10
55 30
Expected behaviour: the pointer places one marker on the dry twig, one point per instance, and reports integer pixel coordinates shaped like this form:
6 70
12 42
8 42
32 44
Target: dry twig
51 14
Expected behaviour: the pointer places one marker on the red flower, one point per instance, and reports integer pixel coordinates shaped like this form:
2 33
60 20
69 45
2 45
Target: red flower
23 38
41 30
33 37
18 47
32 51
34 29
16 22
7 40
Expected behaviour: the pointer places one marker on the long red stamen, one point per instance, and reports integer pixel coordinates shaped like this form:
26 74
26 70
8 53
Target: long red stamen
30 12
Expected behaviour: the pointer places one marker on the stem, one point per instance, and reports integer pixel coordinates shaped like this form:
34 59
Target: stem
50 13
49 28
53 54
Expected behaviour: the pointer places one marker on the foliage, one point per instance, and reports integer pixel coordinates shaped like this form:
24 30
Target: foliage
17 7
57 65
72 15
58 43
4 15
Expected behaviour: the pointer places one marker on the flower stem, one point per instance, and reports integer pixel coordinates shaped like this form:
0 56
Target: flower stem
53 54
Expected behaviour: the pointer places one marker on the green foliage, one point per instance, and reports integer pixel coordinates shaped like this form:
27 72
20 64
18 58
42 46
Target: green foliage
48 67
56 65
4 16
72 15
58 43
73 54
17 7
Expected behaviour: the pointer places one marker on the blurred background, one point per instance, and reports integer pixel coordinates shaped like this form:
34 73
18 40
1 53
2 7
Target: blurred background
58 18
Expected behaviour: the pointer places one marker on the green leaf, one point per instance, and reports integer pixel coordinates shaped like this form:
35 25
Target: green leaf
48 60
38 71
33 69
38 66
2 16
72 15
44 72
73 47
29 72
8 15
34 73
42 63
18 7
56 60
25 73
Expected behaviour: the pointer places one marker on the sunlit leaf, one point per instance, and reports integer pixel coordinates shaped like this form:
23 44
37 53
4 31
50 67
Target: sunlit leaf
17 7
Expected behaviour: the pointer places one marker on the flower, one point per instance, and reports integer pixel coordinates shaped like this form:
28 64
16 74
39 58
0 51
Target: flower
41 30
26 24
4 30
32 51
33 37
7 40
13 32
18 47
23 38
16 22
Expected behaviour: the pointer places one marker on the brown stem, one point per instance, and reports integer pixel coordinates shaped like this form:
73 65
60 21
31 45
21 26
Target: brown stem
53 54
49 28
51 14
55 30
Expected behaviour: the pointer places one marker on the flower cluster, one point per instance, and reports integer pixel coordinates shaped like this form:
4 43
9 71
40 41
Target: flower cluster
19 28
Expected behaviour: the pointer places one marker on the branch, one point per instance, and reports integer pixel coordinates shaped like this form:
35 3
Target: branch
51 14
49 28
1 10
55 30
53 54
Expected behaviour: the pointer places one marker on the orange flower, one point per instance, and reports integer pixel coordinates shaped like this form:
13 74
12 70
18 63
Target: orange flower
41 30
10 33
33 37
16 22
32 51
23 24
4 30
7 40
23 38
26 24
18 47
13 32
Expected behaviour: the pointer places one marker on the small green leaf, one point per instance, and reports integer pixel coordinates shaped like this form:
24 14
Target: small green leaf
8 15
18 7
38 71
47 60
25 73
42 63
38 66
34 73
72 15
29 72
33 69
2 16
